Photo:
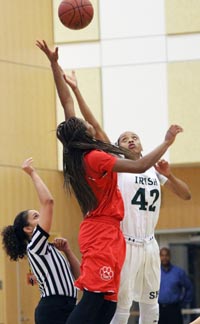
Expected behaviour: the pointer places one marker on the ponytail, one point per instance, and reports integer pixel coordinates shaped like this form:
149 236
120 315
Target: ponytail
14 239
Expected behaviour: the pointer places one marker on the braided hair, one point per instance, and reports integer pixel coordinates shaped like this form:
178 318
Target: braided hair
77 142
14 239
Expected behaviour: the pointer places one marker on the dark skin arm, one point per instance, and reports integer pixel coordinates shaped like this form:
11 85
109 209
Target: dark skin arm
177 186
63 245
44 195
58 74
147 161
71 80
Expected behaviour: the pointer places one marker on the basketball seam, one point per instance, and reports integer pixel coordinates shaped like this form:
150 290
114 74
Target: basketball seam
79 11
86 11
74 8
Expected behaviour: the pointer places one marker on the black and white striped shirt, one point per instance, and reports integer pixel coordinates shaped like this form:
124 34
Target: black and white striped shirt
49 266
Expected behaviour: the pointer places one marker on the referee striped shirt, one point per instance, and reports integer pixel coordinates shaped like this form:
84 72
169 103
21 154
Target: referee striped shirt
50 267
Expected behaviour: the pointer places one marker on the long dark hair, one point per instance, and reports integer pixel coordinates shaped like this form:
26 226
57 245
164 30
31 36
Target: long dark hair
14 238
76 143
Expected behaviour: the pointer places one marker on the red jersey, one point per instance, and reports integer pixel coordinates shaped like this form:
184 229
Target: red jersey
103 182
101 241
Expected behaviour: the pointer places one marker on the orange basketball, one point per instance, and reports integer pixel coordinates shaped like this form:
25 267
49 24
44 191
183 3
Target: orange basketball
75 14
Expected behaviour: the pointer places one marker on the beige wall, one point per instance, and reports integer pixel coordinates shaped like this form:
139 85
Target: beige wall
182 16
21 24
184 109
28 119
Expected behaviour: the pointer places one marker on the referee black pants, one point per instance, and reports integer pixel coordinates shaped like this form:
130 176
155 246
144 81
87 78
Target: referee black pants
170 314
54 309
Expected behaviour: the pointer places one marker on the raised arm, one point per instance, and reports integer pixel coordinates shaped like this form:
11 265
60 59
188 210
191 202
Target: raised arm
174 184
84 108
147 161
58 74
63 245
44 195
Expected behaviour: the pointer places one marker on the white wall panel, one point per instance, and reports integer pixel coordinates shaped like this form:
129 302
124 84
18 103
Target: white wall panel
183 47
135 98
79 55
129 18
133 50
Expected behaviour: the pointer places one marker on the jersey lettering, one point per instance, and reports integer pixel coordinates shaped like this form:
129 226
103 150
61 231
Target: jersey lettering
154 193
153 294
146 181
140 199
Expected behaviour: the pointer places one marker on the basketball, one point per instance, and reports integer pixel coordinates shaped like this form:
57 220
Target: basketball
75 14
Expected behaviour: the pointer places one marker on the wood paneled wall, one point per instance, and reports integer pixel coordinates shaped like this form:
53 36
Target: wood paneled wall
177 213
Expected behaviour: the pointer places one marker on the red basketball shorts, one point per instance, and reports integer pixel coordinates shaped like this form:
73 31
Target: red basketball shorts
103 251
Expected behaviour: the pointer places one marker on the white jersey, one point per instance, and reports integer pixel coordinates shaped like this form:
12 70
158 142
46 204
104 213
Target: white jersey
142 197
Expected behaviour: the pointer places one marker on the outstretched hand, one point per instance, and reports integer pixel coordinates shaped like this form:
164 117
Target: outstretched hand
71 80
27 166
172 132
163 167
52 55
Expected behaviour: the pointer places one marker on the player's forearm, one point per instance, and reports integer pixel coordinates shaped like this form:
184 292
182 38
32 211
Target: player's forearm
151 158
84 108
142 164
43 192
179 187
63 91
74 263
89 116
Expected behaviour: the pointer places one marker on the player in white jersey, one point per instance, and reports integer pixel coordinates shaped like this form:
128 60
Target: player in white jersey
140 278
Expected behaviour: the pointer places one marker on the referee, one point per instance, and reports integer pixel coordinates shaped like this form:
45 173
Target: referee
54 273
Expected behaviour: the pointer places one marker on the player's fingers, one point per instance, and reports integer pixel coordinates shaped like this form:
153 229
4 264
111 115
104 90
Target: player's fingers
44 43
178 128
38 44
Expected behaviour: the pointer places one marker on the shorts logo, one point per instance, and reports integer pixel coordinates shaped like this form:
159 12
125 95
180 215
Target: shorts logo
153 294
106 273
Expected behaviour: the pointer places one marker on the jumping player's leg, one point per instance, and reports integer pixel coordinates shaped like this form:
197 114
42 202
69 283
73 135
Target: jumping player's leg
129 274
107 312
90 308
121 316
149 313
148 304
